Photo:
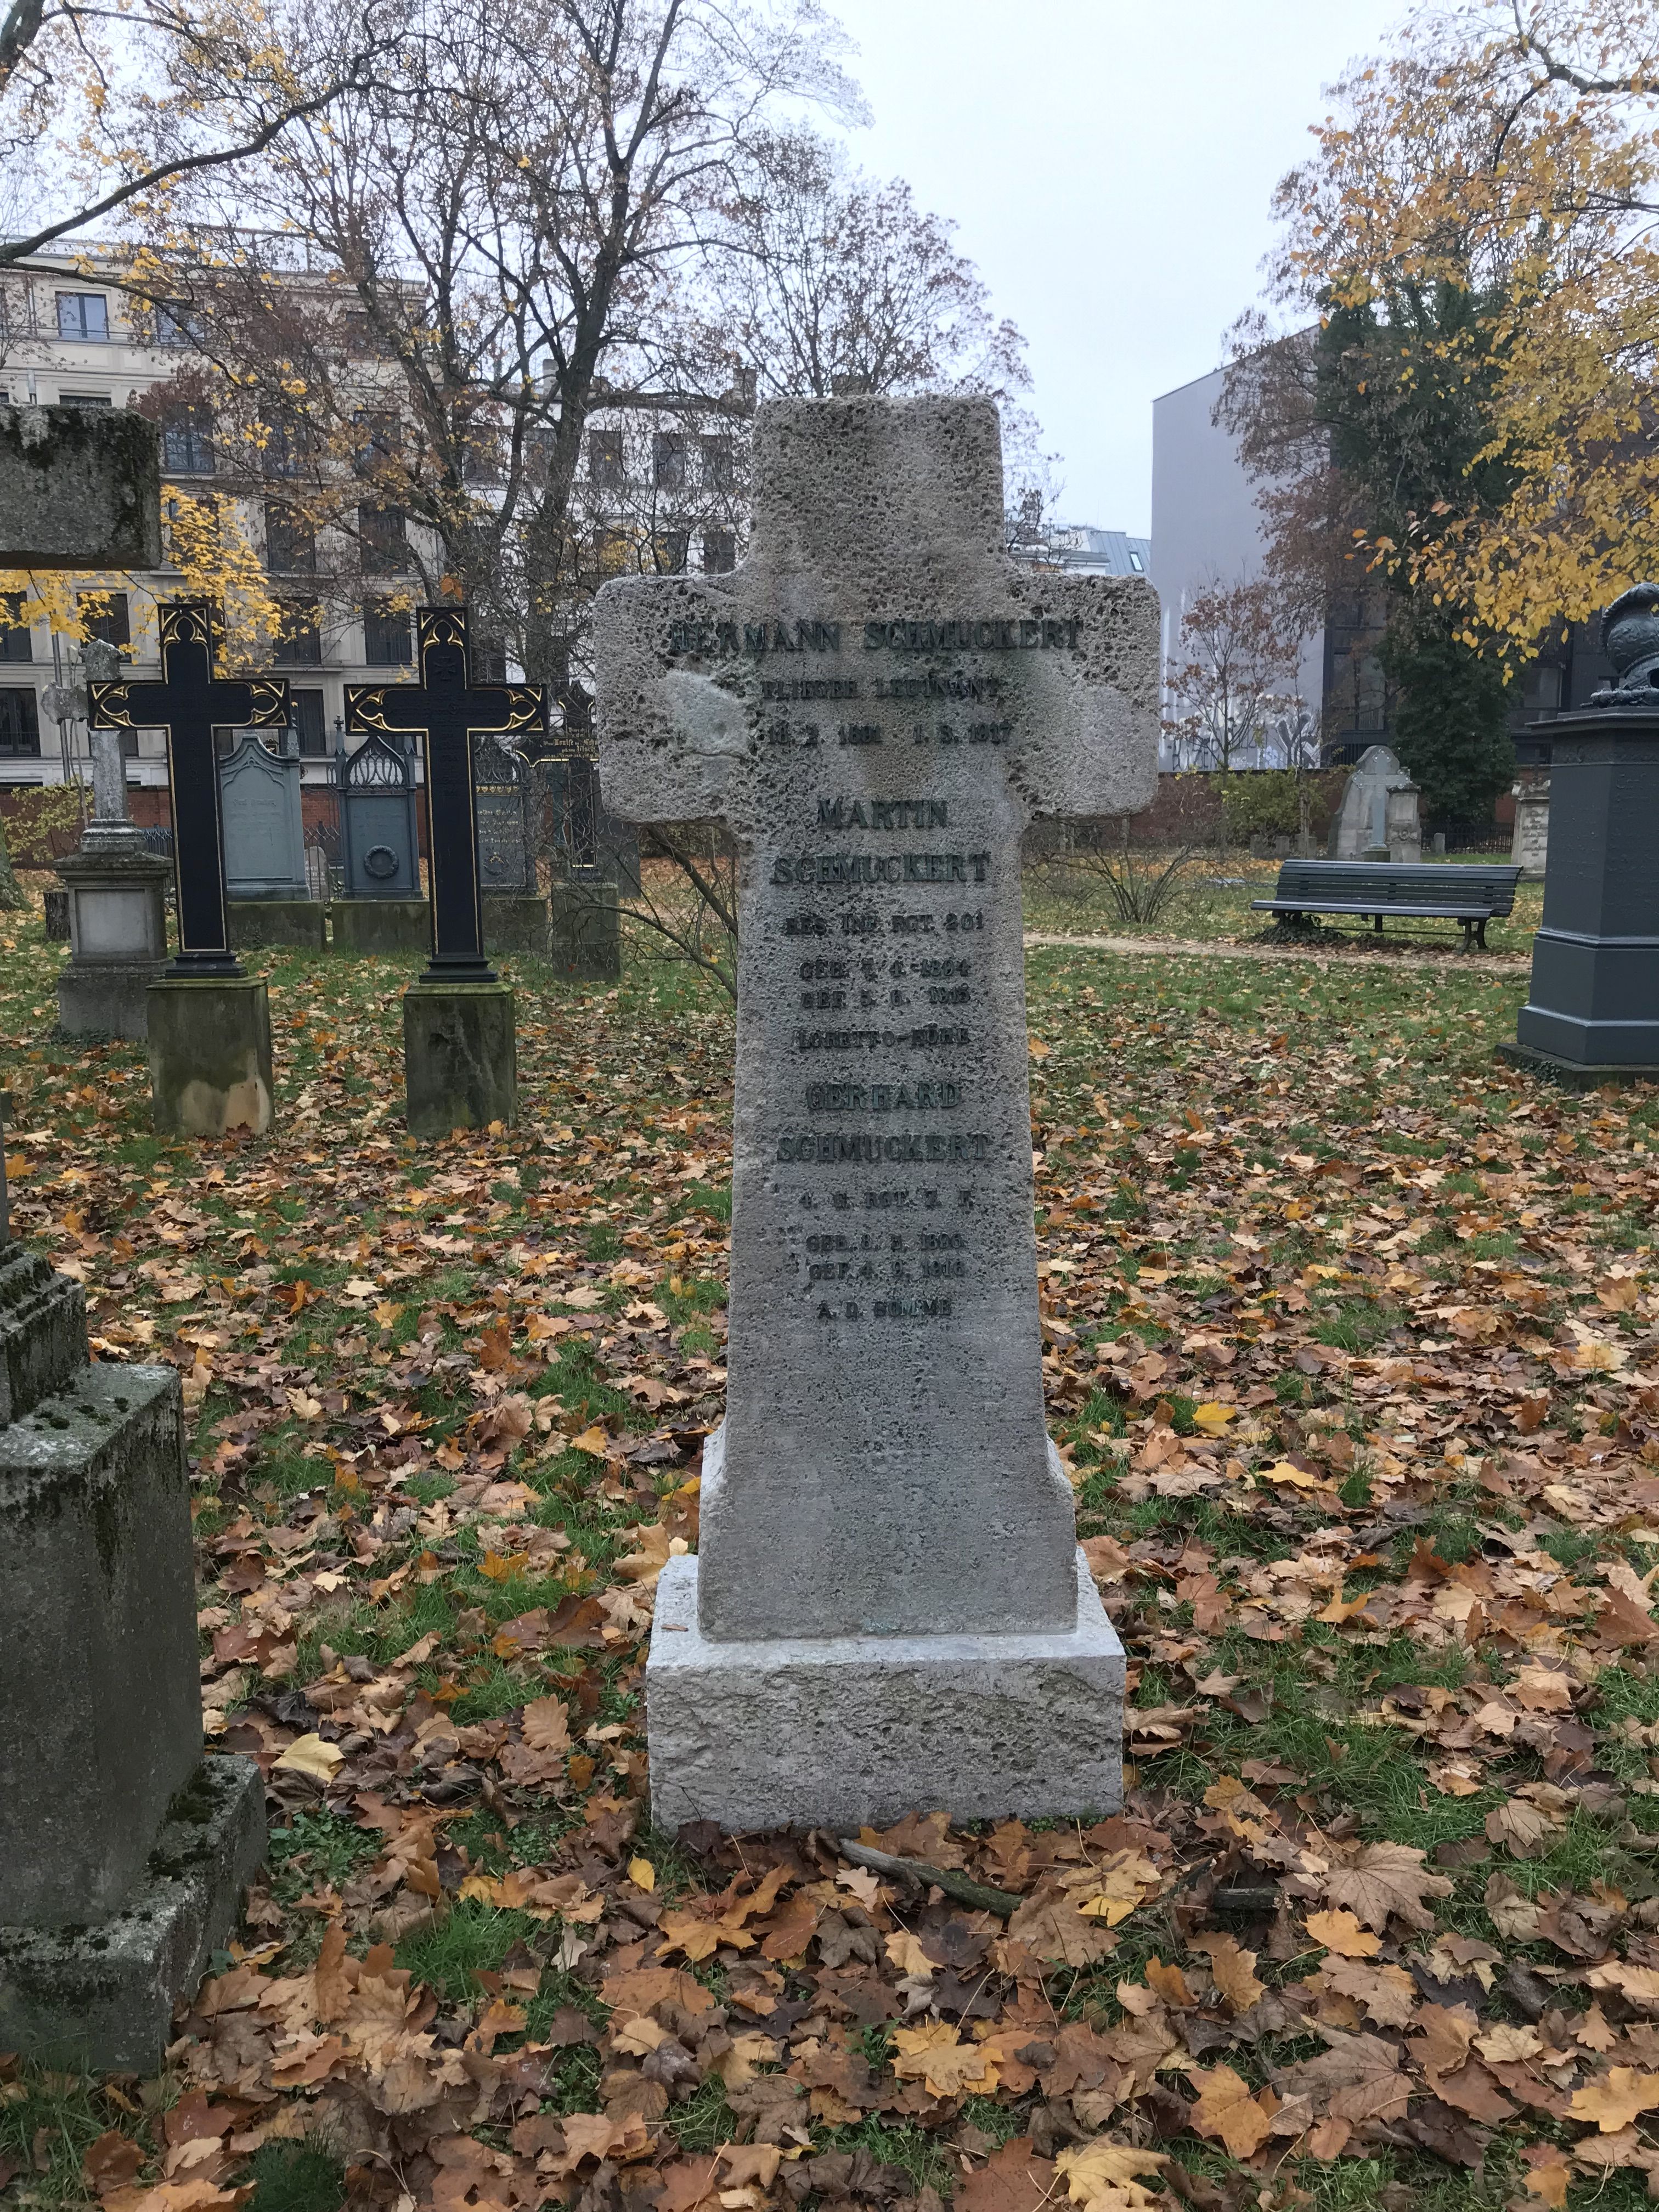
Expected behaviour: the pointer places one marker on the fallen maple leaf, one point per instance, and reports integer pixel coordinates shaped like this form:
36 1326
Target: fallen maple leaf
1057 1931
311 1755
593 1441
1384 1879
1095 2169
1233 1970
1225 2109
934 2056
1013 2179
1613 2100
1341 1933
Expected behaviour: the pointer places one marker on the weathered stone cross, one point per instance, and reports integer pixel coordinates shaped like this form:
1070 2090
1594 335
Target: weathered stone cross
887 1609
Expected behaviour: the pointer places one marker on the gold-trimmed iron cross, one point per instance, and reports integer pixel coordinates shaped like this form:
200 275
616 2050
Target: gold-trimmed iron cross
450 710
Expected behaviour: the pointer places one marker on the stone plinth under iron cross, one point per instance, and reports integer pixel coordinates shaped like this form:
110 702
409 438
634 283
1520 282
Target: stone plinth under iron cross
888 1610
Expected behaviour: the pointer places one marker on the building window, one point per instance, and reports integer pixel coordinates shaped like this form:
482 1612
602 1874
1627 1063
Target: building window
385 635
605 457
82 315
355 329
290 541
720 552
719 464
381 533
489 661
668 460
377 437
299 641
481 453
176 325
84 399
289 441
308 721
675 552
20 722
15 643
1137 564
104 617
187 441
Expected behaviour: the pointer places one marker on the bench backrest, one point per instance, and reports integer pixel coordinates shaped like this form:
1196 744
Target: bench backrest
1383 883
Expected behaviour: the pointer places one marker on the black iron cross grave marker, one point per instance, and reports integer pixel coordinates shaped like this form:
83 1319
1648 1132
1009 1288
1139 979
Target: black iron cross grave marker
189 703
450 710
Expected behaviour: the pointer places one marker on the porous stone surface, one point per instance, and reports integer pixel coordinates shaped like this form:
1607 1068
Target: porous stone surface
80 488
380 926
837 1732
515 922
102 1996
296 921
43 1330
877 704
585 933
209 1055
101 1719
460 1057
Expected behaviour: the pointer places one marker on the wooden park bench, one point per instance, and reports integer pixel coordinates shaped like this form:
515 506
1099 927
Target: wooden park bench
1441 892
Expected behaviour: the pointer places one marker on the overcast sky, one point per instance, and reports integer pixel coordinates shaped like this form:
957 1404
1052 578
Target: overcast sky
1108 165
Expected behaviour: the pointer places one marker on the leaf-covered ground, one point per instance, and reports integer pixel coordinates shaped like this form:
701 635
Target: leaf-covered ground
1350 1348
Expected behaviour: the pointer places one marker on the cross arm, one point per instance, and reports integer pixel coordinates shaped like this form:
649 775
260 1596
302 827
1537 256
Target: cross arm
669 737
385 707
128 705
507 709
1090 740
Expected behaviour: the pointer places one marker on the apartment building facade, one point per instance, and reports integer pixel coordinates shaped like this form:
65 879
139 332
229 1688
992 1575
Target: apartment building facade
662 485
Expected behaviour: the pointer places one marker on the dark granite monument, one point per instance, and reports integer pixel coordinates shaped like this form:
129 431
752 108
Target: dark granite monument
1592 1011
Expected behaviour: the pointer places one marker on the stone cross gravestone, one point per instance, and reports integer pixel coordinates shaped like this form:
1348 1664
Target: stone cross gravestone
888 1609
265 832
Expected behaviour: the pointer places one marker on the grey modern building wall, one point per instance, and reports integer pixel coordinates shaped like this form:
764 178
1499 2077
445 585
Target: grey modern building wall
1206 527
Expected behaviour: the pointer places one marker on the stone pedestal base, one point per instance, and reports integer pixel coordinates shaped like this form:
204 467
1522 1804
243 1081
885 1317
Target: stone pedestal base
209 1055
100 1997
585 934
460 1057
118 933
1576 1074
835 1732
275 922
515 925
381 926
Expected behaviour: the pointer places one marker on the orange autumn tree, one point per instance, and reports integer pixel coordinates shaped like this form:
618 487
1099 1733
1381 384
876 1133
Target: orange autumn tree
1508 151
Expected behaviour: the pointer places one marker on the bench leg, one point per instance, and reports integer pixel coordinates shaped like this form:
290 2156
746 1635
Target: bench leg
1480 932
1378 918
1468 937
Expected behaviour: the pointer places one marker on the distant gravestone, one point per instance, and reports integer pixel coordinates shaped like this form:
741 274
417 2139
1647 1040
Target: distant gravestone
507 859
1530 848
1378 819
888 1608
378 834
265 832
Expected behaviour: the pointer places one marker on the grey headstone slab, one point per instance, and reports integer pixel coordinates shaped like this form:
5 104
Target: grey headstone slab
877 704
80 488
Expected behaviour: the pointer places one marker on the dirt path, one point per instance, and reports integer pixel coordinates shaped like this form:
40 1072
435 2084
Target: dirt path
1480 963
